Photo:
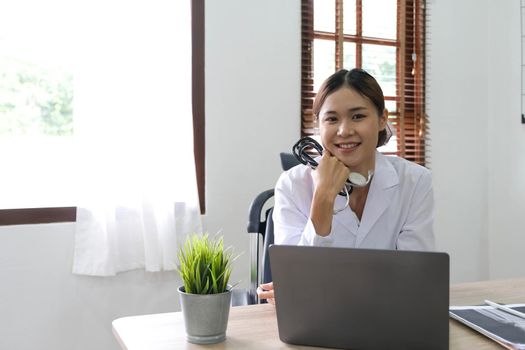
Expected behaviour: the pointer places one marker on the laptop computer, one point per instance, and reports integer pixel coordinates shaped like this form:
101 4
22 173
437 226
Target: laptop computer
361 298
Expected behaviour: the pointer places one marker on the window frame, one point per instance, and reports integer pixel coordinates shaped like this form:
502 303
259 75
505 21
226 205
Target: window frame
198 97
26 216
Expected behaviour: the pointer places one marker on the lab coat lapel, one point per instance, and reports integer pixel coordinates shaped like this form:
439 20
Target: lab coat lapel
380 194
346 218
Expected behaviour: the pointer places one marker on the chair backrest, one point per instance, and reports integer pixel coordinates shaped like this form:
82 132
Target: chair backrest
260 226
288 161
260 222
255 223
268 240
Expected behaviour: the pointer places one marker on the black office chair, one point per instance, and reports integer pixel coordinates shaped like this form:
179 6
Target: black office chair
260 222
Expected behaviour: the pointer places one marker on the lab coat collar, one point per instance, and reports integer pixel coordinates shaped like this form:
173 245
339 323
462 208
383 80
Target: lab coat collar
382 189
385 175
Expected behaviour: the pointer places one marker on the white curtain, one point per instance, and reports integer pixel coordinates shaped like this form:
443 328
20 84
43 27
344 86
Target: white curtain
137 196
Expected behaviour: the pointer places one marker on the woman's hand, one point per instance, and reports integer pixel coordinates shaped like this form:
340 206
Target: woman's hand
330 175
329 179
265 291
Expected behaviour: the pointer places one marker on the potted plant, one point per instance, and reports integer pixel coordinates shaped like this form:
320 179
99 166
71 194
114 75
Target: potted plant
205 268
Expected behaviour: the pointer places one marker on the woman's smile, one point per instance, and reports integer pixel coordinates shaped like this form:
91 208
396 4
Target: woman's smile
347 147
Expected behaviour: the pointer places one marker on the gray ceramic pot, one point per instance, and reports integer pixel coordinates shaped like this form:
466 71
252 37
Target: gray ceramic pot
205 316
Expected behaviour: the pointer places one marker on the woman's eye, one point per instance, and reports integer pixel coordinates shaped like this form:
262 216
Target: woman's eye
358 116
330 119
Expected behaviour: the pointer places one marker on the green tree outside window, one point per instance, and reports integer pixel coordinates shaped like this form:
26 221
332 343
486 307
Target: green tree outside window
35 100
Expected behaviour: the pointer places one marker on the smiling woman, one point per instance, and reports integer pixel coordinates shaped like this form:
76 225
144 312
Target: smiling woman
392 211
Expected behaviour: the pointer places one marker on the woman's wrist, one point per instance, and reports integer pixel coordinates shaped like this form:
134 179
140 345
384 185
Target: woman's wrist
324 196
321 212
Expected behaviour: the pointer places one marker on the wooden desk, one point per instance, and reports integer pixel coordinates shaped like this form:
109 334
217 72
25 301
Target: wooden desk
255 326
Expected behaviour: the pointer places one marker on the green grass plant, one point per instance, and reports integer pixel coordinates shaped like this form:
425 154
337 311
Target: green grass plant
205 266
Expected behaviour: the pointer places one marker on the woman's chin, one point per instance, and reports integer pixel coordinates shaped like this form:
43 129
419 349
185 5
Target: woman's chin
347 154
356 162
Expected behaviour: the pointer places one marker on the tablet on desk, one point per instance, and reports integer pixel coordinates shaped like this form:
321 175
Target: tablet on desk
504 328
361 298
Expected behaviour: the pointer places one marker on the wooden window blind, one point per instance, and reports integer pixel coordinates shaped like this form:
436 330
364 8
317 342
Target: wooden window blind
388 41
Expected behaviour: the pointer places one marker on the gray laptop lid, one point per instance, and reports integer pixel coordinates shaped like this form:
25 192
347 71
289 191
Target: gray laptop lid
361 298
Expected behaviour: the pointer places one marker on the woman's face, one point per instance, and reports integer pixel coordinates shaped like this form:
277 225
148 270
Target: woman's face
349 128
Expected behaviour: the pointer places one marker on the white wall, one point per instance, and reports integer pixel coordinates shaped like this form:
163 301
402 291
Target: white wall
506 142
252 57
477 141
252 108
44 306
458 103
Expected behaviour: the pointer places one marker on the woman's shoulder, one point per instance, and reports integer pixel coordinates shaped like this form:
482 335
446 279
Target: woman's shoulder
409 173
406 167
299 175
298 172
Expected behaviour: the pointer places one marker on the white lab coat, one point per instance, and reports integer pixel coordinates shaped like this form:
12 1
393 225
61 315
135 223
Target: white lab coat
398 213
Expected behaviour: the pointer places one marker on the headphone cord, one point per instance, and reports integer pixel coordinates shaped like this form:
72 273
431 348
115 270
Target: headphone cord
299 151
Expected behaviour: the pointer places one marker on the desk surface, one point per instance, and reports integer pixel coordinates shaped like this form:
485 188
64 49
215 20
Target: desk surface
255 326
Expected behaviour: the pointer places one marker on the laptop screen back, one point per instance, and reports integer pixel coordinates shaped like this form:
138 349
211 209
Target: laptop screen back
361 298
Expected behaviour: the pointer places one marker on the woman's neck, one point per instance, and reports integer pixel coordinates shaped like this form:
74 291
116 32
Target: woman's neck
365 168
358 200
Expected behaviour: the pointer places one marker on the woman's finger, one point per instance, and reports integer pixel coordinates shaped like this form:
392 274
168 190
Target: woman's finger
266 286
266 295
265 291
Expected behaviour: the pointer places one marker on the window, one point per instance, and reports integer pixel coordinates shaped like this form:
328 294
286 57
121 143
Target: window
36 104
36 109
384 37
